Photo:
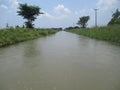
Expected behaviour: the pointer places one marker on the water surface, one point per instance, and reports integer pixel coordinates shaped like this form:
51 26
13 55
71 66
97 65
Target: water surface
63 61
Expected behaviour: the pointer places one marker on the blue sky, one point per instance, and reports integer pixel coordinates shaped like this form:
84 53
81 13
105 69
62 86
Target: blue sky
59 13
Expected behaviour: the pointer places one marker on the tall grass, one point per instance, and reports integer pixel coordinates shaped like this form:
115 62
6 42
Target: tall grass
109 33
13 35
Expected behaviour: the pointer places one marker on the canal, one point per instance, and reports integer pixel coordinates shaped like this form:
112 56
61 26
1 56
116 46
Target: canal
63 61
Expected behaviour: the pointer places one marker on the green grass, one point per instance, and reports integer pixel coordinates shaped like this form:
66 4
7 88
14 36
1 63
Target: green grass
109 33
14 35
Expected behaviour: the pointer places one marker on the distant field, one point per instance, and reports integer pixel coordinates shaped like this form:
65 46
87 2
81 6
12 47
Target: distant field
109 33
15 35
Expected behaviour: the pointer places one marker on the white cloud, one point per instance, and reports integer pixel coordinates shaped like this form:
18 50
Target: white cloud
9 5
3 6
53 17
46 14
60 12
61 9
14 3
107 4
84 12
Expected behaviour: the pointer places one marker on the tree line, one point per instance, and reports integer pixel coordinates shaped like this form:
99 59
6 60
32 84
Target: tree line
30 13
82 22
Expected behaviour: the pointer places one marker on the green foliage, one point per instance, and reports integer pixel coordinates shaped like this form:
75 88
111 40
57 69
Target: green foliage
115 18
29 12
7 26
116 14
109 33
83 21
13 35
29 24
68 28
114 21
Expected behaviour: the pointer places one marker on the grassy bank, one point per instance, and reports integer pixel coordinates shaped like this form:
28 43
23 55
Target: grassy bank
14 35
109 33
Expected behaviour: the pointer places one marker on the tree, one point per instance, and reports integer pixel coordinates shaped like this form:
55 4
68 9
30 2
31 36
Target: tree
83 21
29 12
7 25
115 18
17 26
116 14
23 26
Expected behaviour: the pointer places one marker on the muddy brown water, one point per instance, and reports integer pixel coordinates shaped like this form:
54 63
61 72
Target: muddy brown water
63 61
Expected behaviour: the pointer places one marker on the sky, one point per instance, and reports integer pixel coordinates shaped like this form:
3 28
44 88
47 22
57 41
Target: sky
59 13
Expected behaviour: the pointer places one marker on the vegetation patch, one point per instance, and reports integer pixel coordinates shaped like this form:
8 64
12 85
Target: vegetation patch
109 33
14 35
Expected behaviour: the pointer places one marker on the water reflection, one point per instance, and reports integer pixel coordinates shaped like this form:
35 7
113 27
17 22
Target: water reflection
31 55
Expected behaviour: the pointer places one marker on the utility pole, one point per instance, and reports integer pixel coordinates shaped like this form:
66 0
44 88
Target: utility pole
96 17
